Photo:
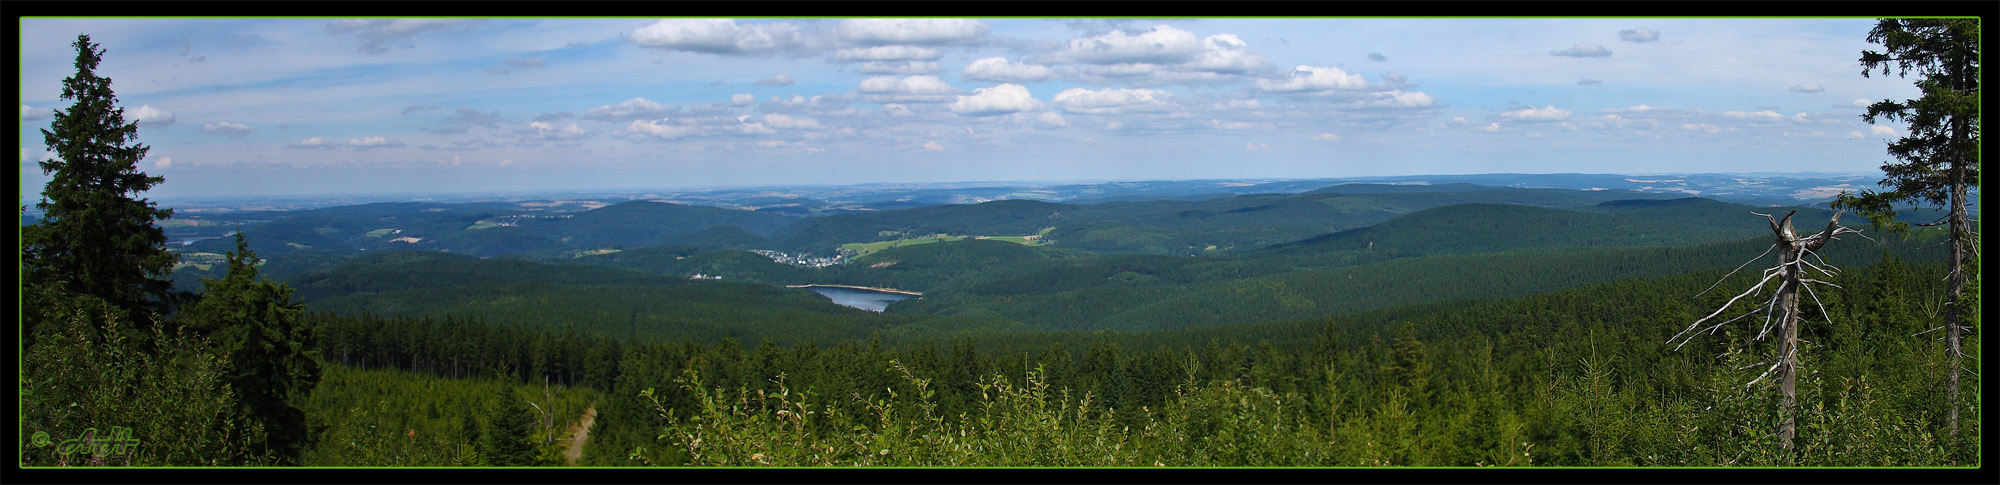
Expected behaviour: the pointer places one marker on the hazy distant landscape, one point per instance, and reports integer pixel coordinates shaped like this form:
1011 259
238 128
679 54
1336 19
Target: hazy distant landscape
1431 244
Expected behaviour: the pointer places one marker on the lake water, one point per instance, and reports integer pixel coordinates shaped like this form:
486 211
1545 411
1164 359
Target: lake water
870 300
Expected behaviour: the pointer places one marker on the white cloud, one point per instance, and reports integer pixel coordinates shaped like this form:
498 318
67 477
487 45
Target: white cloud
997 100
887 53
1530 113
1638 35
147 114
1240 125
913 89
1857 103
659 129
933 146
1881 130
227 128
546 131
779 79
911 31
372 142
719 36
1396 99
1489 128
1111 100
1227 54
785 122
998 69
377 35
1325 137
908 68
1312 78
1257 147
1806 88
779 143
1765 115
1584 49
742 99
1160 45
312 143
1703 128
163 162
33 114
635 108
1051 119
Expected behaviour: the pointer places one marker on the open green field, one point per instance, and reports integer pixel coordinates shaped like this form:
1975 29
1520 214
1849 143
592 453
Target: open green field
482 225
381 232
864 249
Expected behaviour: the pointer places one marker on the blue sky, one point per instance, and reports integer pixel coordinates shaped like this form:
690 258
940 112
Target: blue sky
300 106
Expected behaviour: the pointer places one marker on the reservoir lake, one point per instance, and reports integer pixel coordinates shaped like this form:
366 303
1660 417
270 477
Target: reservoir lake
870 300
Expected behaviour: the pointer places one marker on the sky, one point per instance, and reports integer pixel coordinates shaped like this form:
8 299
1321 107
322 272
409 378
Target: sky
289 106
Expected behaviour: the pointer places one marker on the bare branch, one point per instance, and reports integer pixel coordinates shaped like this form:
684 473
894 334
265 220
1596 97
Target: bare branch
1725 306
1773 305
1733 271
1711 329
1836 269
1940 327
1757 364
1767 373
1822 306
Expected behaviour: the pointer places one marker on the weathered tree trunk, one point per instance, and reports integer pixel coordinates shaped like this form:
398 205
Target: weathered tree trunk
1955 289
1789 276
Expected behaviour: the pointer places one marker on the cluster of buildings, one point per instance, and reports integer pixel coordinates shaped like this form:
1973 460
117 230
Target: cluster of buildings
804 260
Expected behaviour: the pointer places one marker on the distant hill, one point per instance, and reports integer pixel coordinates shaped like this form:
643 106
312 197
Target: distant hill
595 299
640 223
926 267
417 270
1185 296
1476 228
1248 222
685 261
715 238
997 218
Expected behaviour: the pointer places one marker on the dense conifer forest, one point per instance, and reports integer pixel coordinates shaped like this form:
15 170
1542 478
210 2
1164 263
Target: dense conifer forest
1358 325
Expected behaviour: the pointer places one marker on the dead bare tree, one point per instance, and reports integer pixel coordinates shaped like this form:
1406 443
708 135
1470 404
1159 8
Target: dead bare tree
1782 309
548 413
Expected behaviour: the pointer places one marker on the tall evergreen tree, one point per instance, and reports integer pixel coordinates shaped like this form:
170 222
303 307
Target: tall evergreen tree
96 237
271 362
1939 160
510 441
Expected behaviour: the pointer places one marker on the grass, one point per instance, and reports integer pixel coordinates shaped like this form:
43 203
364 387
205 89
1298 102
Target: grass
482 225
381 232
864 249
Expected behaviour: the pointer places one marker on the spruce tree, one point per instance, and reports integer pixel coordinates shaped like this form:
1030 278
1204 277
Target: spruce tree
1939 160
510 441
96 237
271 362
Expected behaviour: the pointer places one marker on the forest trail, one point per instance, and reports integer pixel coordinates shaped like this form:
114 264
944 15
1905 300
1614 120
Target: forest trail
579 433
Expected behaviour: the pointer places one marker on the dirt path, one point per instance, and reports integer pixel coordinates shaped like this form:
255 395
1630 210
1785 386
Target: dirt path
579 433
